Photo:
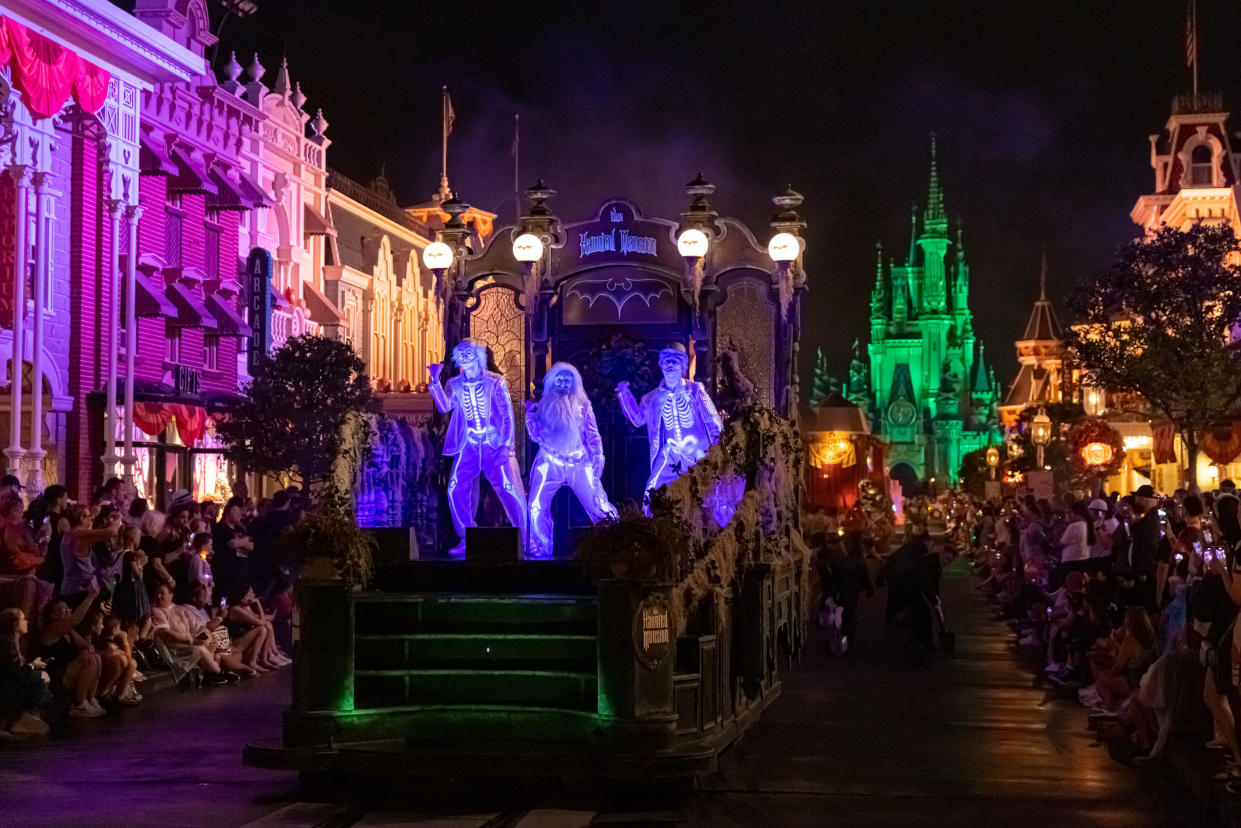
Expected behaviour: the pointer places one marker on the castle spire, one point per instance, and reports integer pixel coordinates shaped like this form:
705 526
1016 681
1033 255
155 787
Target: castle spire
283 86
913 233
1042 278
935 220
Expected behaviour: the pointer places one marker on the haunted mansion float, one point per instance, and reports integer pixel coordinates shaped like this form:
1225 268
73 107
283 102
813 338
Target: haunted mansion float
661 645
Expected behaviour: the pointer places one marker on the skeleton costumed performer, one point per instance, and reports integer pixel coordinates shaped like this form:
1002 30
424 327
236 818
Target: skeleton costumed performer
680 419
480 437
570 454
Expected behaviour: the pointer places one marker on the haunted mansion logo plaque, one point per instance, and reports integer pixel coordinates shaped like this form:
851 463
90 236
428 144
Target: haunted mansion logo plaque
652 631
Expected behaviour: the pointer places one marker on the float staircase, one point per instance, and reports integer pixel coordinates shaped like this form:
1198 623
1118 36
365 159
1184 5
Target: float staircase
467 666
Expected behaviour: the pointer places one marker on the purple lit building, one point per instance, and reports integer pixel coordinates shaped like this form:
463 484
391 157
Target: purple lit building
72 86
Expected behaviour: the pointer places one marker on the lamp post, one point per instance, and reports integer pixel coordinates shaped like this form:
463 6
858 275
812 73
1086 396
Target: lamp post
1040 433
1094 402
437 258
993 459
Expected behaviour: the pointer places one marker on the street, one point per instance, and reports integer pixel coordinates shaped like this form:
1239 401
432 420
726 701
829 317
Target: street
885 736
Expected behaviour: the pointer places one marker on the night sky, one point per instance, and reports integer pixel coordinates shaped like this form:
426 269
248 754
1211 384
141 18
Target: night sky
1042 111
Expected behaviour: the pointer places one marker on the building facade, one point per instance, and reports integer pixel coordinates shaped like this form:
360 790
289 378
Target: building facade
1041 377
71 97
931 396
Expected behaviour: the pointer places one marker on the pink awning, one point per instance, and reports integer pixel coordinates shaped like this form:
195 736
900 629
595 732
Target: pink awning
46 73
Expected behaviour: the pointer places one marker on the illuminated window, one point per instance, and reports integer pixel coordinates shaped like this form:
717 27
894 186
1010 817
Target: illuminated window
174 345
1201 172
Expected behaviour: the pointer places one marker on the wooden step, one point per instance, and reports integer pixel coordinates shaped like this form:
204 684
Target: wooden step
469 613
479 650
571 690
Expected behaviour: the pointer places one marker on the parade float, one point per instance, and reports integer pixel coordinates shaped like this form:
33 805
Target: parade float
627 360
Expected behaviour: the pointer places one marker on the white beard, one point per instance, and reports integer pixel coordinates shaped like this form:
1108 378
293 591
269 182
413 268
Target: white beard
558 417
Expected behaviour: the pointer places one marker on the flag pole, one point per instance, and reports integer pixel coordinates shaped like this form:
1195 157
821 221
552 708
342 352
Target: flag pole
444 133
1193 7
516 164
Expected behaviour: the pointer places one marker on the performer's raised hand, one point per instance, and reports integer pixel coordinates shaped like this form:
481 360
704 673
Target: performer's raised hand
531 407
622 387
434 369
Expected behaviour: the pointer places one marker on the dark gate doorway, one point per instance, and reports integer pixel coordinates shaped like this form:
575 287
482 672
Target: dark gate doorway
610 323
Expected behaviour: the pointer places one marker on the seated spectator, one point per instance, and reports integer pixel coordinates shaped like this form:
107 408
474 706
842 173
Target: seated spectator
117 667
245 616
71 658
279 598
237 650
1136 654
21 557
23 685
182 640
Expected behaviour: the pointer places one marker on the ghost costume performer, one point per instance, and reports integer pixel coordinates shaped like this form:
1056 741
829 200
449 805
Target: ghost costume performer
570 454
480 437
680 420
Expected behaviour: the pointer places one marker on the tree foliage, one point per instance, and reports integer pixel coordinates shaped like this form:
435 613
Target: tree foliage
1160 322
295 406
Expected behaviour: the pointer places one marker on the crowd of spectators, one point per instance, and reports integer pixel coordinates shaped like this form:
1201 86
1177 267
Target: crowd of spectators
1132 603
94 597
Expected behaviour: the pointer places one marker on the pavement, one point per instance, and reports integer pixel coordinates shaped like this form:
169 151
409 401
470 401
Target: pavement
886 736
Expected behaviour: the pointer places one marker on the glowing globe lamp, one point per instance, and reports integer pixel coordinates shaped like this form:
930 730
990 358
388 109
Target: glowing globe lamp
527 248
692 244
783 247
437 256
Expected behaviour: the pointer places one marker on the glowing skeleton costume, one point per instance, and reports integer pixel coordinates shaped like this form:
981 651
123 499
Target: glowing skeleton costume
570 454
680 420
480 436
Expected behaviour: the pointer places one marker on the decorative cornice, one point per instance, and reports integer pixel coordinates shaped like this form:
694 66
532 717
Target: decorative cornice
159 58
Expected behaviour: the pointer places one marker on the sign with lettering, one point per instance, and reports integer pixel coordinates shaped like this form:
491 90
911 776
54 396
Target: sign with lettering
652 631
258 286
8 247
186 380
619 233
618 241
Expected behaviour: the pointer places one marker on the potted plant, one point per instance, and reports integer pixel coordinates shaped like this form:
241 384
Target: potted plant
328 545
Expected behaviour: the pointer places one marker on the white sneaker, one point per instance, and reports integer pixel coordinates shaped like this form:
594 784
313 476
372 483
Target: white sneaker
83 711
96 707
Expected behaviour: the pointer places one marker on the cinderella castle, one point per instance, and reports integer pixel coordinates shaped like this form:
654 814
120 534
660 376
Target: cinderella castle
927 389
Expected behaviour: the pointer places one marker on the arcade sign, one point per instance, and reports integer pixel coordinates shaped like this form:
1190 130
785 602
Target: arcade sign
258 284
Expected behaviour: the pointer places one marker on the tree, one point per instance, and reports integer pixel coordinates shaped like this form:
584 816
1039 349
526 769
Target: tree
1161 322
295 408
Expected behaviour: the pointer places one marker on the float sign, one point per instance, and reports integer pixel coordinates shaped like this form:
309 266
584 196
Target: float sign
652 631
258 284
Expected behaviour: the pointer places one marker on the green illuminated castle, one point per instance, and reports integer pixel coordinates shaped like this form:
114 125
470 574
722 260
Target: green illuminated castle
930 395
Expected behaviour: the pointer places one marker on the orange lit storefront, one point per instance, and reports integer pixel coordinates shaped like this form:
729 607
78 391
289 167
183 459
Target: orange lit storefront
840 454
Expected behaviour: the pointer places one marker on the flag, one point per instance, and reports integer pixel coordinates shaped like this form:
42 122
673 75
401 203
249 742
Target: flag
450 116
1191 34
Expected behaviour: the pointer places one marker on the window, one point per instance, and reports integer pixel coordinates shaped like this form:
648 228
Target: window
211 359
211 253
174 345
1201 168
172 238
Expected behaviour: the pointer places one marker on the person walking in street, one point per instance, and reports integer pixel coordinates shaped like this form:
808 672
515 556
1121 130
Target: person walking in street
848 578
